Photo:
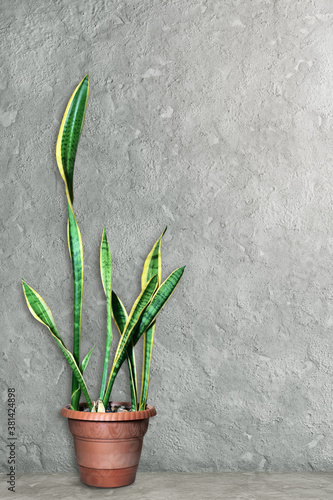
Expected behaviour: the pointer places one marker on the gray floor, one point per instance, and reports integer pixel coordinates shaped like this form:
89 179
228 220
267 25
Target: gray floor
166 486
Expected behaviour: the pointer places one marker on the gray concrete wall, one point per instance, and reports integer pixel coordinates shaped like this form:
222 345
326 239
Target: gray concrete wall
211 117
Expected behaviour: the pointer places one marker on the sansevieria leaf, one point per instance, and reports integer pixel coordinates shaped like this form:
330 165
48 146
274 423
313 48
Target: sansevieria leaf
137 310
76 253
119 313
120 317
67 143
106 275
148 339
159 300
83 366
40 311
70 131
152 265
148 322
85 361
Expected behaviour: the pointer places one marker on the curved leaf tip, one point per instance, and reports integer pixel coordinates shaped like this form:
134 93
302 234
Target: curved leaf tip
69 133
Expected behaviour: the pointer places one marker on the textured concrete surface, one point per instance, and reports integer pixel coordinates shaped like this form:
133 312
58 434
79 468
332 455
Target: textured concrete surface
215 118
180 486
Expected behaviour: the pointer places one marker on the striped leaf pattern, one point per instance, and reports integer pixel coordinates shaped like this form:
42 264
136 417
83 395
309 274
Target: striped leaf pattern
40 311
69 133
76 253
152 265
67 143
135 315
153 297
159 300
120 317
85 361
119 313
83 366
148 340
106 275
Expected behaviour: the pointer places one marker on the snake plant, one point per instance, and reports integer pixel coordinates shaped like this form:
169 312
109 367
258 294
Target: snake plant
141 321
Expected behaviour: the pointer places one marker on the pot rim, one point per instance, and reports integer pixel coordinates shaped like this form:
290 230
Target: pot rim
108 417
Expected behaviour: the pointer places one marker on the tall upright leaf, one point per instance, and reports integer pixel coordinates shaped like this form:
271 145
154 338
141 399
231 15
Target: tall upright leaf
76 253
106 275
67 143
83 366
40 311
145 320
135 315
152 265
120 317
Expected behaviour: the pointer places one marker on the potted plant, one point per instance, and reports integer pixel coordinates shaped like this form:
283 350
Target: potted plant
107 435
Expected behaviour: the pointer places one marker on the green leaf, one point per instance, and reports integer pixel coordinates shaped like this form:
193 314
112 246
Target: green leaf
67 143
146 361
83 366
106 266
106 274
76 253
120 317
40 311
159 300
138 307
119 313
153 265
69 133
133 377
147 326
85 361
134 316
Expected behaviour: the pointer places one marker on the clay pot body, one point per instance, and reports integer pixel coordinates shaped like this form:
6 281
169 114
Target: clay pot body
108 445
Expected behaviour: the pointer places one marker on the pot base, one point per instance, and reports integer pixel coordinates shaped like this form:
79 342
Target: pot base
108 478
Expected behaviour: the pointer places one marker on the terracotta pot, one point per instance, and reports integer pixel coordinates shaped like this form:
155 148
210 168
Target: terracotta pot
108 445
